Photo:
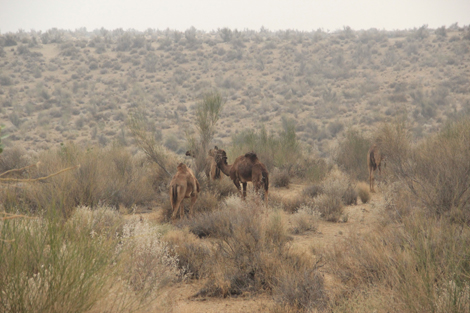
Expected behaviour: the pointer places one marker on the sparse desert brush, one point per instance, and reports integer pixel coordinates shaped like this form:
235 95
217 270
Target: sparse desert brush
192 254
288 204
329 206
251 255
302 221
47 262
14 158
280 178
223 187
148 261
206 202
101 221
351 154
312 191
362 190
418 265
111 175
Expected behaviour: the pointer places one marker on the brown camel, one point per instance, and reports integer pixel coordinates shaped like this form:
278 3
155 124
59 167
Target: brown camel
374 161
245 168
183 185
211 169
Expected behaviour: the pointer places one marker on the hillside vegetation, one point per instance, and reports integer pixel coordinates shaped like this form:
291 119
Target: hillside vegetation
79 86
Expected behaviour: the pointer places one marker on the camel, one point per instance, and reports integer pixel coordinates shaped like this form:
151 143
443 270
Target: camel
211 169
374 161
246 168
183 185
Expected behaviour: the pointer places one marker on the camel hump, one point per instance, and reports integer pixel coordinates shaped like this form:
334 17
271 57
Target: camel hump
252 156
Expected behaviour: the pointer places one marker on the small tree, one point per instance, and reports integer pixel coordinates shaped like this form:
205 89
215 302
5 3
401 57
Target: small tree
207 114
147 142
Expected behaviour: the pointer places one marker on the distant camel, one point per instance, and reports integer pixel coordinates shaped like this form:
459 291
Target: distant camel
245 168
183 185
211 169
374 160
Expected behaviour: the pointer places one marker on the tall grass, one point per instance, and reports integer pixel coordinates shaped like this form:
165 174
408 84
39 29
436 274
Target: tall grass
94 262
45 267
436 170
107 175
420 266
351 155
280 150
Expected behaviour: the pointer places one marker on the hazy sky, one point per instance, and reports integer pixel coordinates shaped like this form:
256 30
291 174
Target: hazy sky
209 15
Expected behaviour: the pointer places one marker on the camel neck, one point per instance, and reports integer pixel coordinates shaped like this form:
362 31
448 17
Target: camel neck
225 168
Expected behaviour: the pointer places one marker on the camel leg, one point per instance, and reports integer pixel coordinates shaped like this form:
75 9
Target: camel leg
244 190
182 209
191 208
177 208
371 177
237 184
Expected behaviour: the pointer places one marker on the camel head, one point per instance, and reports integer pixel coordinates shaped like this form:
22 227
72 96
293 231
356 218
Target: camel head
213 152
220 156
181 167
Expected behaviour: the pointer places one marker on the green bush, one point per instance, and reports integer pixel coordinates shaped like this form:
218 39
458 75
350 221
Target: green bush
351 155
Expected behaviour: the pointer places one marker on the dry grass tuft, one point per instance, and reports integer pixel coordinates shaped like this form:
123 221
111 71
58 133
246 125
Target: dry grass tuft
280 178
288 204
192 254
362 190
303 221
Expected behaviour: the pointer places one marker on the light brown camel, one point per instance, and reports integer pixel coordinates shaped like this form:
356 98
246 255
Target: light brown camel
374 162
183 185
245 168
211 169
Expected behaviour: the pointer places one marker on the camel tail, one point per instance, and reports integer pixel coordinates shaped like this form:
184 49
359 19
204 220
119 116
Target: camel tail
174 195
373 162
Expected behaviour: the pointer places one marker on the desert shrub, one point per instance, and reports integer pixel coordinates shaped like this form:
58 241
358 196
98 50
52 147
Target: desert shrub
363 192
300 288
108 175
280 178
251 254
329 206
148 261
192 254
5 80
351 155
337 191
312 169
223 187
418 265
288 204
47 262
303 221
350 196
435 170
282 150
206 202
14 158
312 191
